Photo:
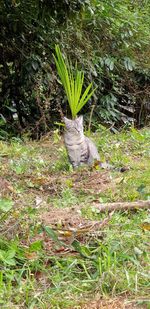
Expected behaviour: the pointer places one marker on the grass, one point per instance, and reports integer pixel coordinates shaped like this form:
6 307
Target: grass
36 180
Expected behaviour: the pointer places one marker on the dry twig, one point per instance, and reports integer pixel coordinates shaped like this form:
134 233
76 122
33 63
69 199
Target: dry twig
122 205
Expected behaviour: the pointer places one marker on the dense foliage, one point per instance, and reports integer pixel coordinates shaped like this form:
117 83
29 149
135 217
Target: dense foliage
109 40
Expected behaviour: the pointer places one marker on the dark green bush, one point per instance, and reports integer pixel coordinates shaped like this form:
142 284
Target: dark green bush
109 40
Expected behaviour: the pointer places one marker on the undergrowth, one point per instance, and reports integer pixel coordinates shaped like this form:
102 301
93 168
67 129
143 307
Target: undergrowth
36 178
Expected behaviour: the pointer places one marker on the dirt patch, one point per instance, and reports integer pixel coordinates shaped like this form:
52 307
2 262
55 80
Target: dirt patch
62 226
85 181
6 187
69 223
89 182
64 218
117 303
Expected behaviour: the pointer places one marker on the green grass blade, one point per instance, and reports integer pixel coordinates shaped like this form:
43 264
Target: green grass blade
63 72
79 86
85 97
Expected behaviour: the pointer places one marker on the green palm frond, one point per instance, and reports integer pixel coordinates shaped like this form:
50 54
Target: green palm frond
72 82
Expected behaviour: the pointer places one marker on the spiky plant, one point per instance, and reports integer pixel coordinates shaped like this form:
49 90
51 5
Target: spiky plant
72 81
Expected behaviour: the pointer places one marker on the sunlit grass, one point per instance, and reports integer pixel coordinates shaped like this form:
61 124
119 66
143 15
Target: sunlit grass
114 262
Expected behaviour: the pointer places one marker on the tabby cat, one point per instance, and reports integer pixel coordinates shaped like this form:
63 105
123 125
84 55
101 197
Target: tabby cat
81 150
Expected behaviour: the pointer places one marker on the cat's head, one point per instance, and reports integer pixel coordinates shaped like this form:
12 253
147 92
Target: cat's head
74 125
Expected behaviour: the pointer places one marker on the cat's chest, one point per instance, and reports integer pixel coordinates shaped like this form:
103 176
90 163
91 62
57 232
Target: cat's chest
74 140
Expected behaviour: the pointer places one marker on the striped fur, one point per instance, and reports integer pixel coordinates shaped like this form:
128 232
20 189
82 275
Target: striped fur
81 150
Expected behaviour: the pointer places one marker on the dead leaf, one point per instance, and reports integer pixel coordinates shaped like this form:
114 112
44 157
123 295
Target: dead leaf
146 226
38 200
31 255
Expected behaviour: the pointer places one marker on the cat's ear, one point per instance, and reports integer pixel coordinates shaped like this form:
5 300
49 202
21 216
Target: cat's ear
80 120
67 121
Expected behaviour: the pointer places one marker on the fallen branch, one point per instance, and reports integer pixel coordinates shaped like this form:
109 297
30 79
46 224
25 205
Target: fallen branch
122 205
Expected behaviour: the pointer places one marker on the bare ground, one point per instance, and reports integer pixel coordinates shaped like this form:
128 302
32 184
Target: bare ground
115 303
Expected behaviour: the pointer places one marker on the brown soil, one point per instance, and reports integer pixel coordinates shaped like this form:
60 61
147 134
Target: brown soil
116 303
85 181
5 187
